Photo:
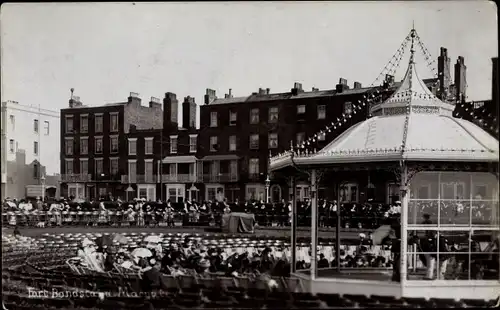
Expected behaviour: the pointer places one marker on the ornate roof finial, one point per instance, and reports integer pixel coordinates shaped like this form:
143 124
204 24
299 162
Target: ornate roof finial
412 49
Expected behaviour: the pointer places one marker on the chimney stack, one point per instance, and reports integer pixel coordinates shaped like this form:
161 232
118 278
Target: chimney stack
461 79
297 88
342 85
262 91
357 85
189 113
170 111
315 89
74 102
155 103
210 96
134 98
230 95
444 76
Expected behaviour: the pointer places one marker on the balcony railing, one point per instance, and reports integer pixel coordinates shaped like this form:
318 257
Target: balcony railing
179 178
140 178
221 177
75 178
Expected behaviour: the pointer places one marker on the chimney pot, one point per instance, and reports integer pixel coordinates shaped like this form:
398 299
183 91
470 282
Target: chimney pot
210 96
268 91
297 86
315 89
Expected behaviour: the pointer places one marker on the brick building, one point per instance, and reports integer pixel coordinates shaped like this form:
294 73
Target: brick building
94 144
180 162
238 134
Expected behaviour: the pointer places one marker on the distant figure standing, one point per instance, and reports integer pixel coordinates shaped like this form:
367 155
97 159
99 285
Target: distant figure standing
396 250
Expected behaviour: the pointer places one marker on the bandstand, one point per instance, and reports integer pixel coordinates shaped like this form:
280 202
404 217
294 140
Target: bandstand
446 168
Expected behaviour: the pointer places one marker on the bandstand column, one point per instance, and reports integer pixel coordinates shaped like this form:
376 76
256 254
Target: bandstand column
404 224
293 234
314 225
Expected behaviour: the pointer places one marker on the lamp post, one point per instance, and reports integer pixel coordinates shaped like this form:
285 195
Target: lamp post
268 183
42 180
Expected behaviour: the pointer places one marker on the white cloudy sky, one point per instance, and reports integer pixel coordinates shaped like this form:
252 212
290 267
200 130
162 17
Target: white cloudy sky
107 50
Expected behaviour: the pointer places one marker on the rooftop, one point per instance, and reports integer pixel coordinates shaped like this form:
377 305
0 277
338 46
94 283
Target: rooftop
308 94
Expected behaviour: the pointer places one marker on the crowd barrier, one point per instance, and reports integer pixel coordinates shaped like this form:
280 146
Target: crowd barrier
157 218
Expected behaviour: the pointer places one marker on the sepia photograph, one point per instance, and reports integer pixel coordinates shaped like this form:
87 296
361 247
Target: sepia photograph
250 155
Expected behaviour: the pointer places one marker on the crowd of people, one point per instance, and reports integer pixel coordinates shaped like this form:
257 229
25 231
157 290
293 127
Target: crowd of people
189 257
148 213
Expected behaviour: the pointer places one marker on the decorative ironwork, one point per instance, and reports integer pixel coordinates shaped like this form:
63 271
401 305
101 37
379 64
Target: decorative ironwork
425 110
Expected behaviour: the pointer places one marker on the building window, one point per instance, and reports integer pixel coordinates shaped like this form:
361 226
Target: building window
98 145
213 119
273 115
114 122
148 146
11 145
213 144
255 192
132 171
254 116
253 167
273 140
46 128
69 146
301 136
254 142
36 171
69 166
232 118
347 108
321 111
173 144
84 166
232 143
172 169
148 171
233 168
35 148
98 167
84 123
113 163
98 123
302 192
12 122
114 144
35 125
192 144
132 146
84 145
69 124
301 109
348 192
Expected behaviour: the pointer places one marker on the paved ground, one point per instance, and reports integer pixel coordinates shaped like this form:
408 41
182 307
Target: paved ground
272 232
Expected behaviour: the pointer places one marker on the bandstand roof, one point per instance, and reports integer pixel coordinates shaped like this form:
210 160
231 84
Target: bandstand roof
411 125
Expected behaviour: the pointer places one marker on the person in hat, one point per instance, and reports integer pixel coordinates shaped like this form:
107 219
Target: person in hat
109 261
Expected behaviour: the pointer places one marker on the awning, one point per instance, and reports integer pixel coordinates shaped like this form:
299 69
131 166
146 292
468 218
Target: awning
220 157
179 159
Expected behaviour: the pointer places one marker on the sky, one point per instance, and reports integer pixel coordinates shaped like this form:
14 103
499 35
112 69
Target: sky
107 50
